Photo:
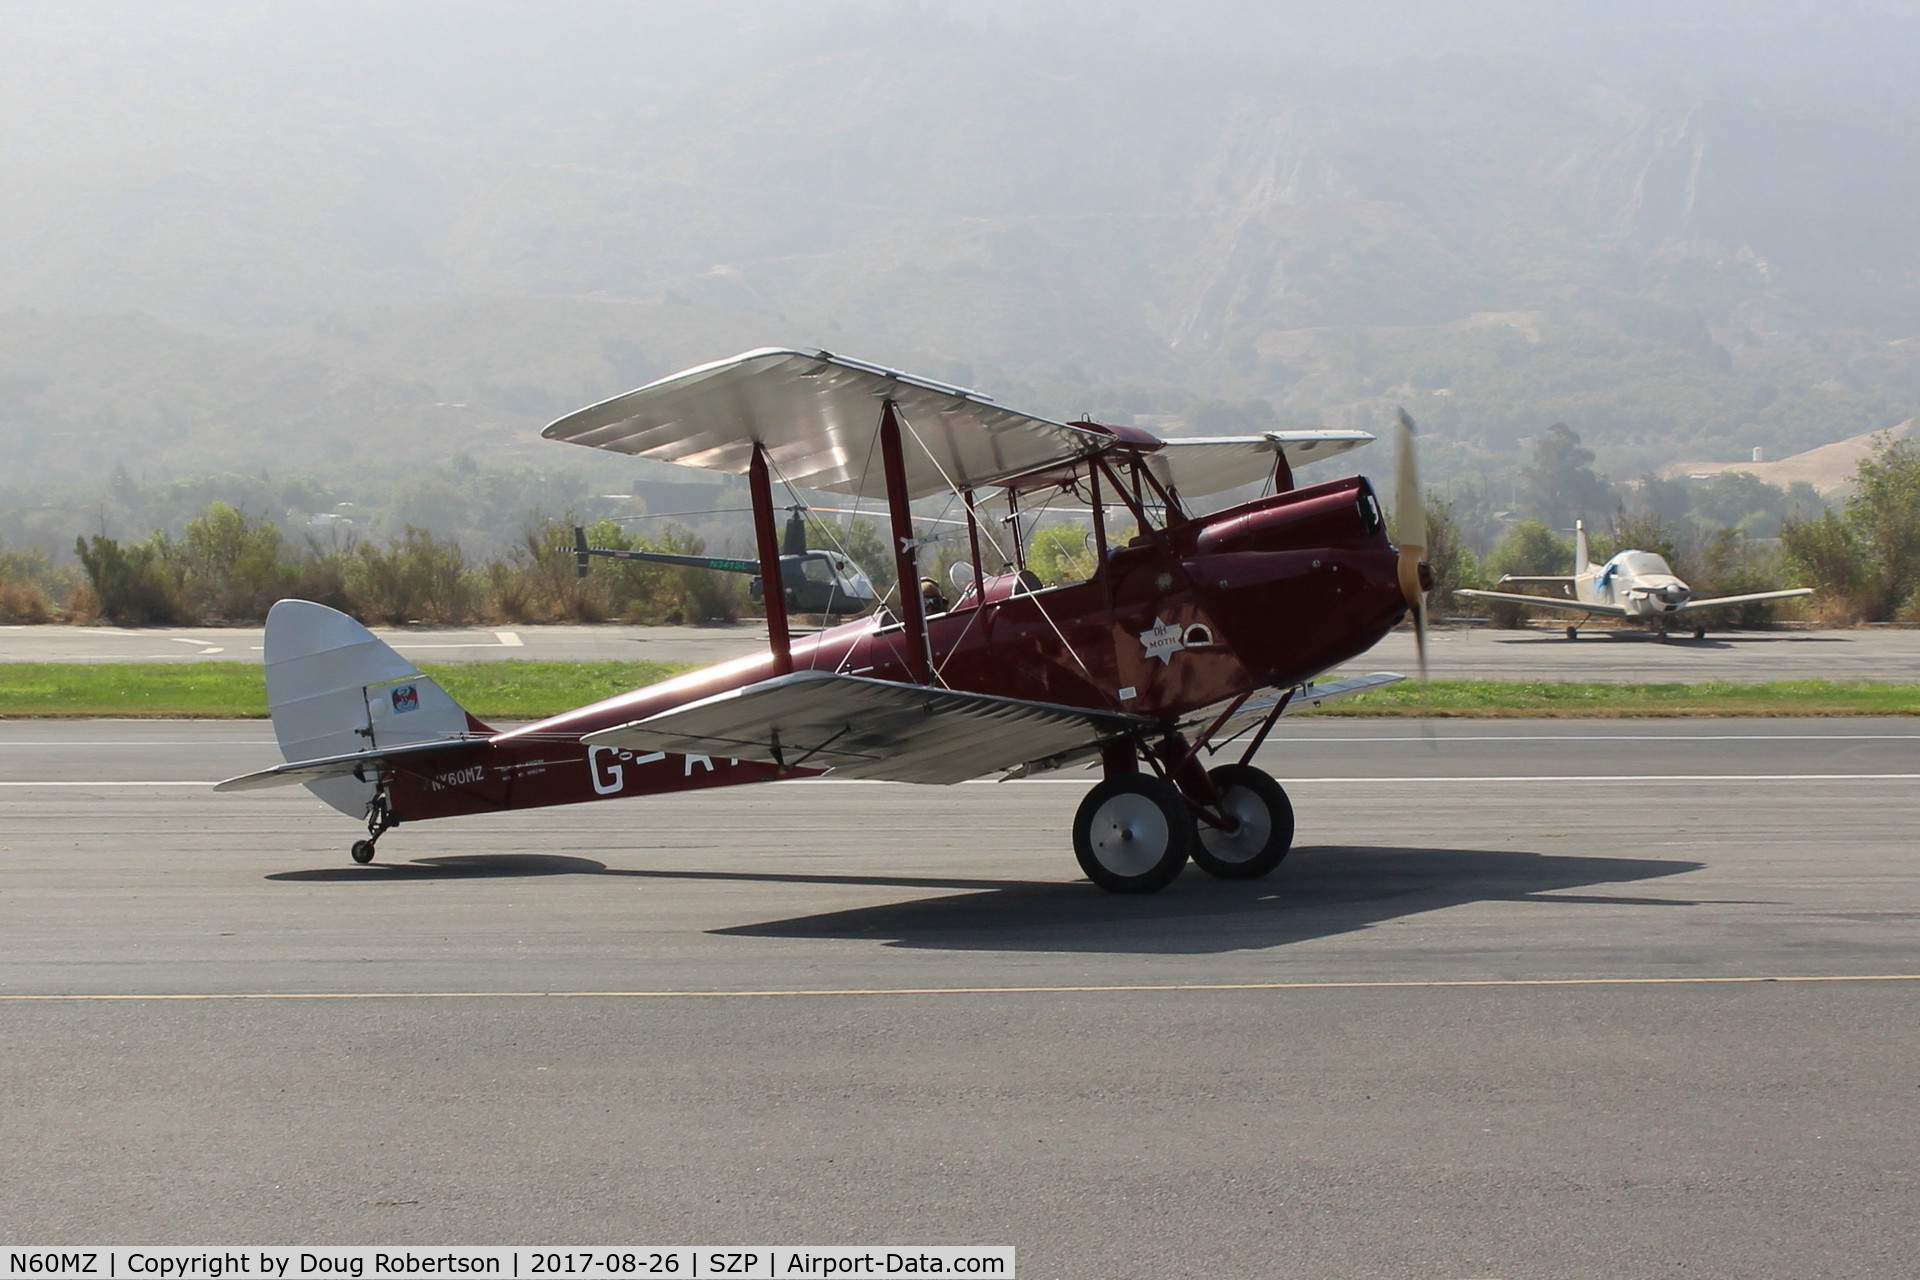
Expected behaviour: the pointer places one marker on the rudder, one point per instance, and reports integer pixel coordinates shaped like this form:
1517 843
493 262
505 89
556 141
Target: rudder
334 688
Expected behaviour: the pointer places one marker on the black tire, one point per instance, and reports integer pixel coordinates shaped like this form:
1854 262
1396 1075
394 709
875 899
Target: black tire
1699 633
1133 834
1266 825
363 851
1573 633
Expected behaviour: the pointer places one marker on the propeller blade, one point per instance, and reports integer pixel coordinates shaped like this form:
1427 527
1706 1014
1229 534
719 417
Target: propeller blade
1410 532
1420 635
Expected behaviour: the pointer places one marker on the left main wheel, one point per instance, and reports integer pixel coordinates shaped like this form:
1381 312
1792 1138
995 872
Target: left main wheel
1132 834
363 851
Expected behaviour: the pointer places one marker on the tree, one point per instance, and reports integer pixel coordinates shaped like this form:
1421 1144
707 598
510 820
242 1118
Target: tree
1740 500
1637 533
1453 565
1530 548
1561 485
1669 501
134 584
1527 549
1885 514
1731 565
414 578
1866 561
1062 553
1826 553
229 564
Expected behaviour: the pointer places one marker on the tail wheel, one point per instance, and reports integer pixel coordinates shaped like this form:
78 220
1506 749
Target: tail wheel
1133 834
1264 833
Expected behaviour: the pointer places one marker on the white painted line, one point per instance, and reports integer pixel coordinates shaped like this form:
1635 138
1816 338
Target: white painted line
509 639
106 783
1453 779
1457 777
1388 984
1301 740
151 742
408 646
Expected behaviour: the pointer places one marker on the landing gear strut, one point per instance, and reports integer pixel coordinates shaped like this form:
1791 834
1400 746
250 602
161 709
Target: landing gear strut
380 819
1135 831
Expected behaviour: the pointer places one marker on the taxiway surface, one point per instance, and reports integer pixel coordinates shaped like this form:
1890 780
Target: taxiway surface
1531 998
1460 653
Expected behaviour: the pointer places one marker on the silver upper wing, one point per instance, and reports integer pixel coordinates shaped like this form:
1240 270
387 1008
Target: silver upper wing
818 415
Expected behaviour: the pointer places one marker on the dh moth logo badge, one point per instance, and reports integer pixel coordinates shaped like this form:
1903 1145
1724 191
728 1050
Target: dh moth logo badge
406 698
1162 640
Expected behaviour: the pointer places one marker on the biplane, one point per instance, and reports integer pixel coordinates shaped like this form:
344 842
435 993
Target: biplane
1189 638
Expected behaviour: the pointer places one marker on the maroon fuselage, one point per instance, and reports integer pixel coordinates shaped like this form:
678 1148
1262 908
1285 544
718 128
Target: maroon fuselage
1268 593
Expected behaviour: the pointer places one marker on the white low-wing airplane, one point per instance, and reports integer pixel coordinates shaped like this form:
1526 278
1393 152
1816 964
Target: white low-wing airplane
1633 584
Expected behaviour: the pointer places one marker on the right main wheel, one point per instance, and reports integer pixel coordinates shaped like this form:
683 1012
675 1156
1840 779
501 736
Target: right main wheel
1132 834
1264 833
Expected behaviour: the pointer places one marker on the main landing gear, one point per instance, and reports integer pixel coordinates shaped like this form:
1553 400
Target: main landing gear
1135 831
380 819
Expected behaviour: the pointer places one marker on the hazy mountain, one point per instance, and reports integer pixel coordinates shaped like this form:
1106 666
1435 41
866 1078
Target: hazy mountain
293 236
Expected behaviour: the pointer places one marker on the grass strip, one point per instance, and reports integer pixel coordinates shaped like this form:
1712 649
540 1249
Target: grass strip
531 690
1547 699
237 690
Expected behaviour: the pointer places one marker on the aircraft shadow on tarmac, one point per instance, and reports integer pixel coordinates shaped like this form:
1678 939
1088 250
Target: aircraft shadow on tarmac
485 866
1317 893
472 866
1680 640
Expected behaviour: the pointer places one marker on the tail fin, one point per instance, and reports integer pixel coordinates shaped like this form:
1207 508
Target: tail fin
334 689
1582 562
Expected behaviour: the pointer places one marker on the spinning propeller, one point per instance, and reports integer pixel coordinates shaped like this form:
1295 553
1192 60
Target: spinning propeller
1410 535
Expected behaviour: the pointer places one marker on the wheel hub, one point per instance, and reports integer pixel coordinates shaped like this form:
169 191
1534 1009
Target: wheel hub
1128 834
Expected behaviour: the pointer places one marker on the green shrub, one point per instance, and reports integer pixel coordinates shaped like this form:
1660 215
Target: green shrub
134 585
414 578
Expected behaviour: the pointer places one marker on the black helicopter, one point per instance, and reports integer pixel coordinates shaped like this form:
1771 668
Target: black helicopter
822 582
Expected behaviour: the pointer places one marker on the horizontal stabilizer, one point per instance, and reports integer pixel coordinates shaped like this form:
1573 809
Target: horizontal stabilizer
361 765
865 728
1721 602
1548 602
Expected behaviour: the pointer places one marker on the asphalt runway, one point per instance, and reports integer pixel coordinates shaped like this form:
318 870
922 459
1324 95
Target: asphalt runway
1461 653
1564 999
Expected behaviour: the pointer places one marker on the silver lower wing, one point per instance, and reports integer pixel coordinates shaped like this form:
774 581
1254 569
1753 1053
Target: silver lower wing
864 728
1301 697
1721 602
1547 602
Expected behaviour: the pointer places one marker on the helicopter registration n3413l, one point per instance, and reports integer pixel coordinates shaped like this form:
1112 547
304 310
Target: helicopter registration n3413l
1192 634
